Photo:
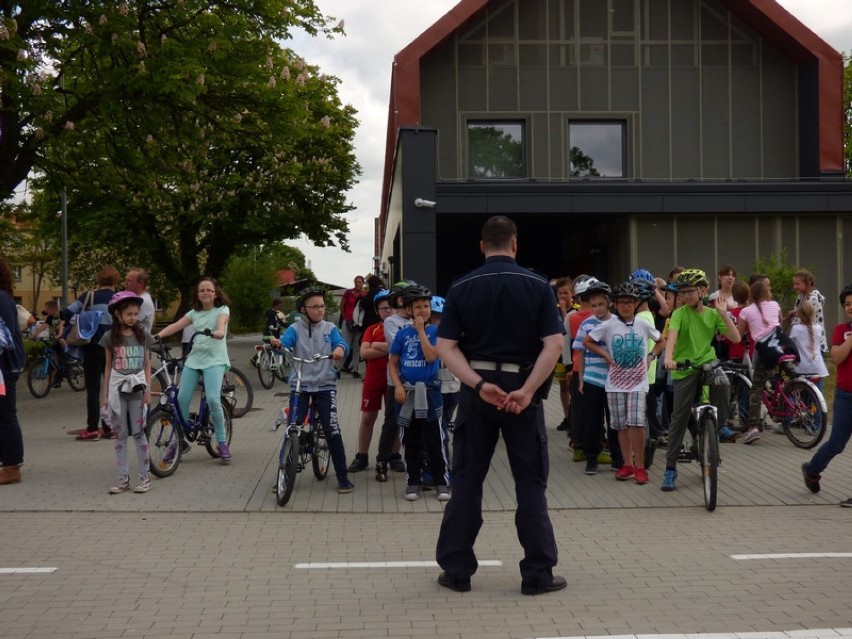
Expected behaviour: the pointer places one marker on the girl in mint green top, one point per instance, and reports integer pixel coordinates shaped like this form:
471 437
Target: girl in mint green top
209 356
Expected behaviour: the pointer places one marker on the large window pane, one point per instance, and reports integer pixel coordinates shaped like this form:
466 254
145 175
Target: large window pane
596 149
495 149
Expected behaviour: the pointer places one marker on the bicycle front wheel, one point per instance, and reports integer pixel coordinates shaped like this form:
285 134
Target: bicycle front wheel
264 370
74 375
287 466
804 420
164 442
708 456
40 377
320 453
210 442
238 391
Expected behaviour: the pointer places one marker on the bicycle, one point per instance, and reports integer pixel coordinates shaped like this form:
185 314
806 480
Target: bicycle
271 363
796 403
300 444
705 444
169 433
44 371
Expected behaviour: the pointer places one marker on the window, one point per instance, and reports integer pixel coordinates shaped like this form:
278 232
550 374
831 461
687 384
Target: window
495 149
596 148
17 273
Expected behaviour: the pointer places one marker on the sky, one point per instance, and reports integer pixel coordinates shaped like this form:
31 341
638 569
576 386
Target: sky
378 29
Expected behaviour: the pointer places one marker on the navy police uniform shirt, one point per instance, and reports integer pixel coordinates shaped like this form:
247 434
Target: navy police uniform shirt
500 312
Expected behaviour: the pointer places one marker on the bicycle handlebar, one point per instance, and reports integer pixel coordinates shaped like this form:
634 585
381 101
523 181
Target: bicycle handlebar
686 364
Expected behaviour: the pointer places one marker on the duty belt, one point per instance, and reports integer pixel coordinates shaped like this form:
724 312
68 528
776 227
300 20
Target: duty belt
505 367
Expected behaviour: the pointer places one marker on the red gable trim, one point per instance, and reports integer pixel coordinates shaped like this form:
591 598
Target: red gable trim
768 18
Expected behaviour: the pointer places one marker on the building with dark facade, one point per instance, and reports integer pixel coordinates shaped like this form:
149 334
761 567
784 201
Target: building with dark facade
617 134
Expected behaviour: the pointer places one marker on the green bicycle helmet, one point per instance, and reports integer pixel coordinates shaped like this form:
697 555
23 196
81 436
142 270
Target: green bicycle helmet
691 277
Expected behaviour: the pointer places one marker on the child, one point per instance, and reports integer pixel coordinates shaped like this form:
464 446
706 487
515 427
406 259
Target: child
803 284
627 377
807 335
759 319
315 336
413 367
841 420
564 288
374 351
127 386
450 385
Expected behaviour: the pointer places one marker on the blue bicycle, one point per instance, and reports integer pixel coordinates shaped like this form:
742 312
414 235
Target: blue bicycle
169 433
45 372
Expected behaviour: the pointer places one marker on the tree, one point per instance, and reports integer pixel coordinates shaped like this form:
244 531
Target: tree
183 126
494 153
582 164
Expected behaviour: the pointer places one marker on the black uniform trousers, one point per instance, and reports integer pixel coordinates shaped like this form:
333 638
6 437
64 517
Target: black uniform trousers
477 429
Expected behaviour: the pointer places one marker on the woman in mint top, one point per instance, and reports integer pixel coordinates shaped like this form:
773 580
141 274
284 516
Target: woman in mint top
209 356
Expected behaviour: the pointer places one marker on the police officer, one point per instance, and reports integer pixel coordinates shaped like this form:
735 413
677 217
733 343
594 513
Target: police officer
500 337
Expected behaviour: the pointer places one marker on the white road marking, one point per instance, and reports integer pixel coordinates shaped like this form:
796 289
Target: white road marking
796 555
347 565
821 633
25 571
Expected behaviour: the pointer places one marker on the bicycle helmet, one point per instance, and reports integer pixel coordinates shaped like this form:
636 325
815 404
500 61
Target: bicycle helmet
396 291
581 284
642 274
379 296
645 288
123 296
626 289
306 294
846 292
414 293
437 304
691 277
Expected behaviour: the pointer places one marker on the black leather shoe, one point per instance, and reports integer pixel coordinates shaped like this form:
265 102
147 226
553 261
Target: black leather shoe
459 585
556 583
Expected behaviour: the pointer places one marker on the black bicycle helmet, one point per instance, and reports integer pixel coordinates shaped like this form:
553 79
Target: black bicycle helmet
645 288
626 289
306 294
846 292
691 277
597 287
414 293
396 291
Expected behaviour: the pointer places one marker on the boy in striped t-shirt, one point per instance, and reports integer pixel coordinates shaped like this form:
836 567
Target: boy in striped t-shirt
591 374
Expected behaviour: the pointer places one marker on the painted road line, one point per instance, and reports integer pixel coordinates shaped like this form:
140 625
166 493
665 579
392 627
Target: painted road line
348 565
796 555
25 571
821 633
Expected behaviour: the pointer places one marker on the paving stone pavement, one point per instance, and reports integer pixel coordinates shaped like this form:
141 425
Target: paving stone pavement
208 552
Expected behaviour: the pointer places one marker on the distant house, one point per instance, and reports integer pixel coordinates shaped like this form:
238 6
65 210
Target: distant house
617 134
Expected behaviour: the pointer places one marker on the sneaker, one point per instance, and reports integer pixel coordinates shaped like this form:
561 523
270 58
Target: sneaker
669 478
579 455
344 486
640 476
847 503
107 433
777 428
356 375
412 493
381 471
811 481
591 467
563 425
728 435
396 464
144 485
361 462
122 486
88 436
224 452
604 458
443 493
625 472
751 436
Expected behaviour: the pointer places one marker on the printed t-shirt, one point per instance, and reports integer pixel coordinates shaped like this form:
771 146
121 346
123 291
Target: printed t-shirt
627 345
413 366
695 334
594 366
129 356
844 369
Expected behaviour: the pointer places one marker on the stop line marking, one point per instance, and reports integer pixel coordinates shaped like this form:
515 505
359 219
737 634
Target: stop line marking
795 555
347 565
25 571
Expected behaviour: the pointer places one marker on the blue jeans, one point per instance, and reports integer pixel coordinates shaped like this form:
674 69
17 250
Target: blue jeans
213 377
841 429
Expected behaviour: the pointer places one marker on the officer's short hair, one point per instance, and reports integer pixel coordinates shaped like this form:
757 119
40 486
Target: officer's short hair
498 232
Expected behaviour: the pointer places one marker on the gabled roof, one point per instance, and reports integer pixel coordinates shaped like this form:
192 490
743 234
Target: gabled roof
766 17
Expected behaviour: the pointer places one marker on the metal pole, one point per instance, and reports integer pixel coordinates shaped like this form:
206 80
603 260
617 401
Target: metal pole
64 199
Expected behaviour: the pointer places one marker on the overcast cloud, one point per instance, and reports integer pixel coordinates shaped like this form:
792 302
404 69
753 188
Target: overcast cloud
378 29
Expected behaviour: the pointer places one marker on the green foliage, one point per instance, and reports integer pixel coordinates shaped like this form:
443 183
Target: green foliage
781 276
181 132
250 284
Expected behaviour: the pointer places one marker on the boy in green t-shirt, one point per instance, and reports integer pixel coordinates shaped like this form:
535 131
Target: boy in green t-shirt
692 329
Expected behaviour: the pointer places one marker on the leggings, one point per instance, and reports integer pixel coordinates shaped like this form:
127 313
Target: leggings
213 377
131 422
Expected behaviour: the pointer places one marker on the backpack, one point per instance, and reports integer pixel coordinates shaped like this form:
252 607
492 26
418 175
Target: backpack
84 324
358 314
6 340
7 345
